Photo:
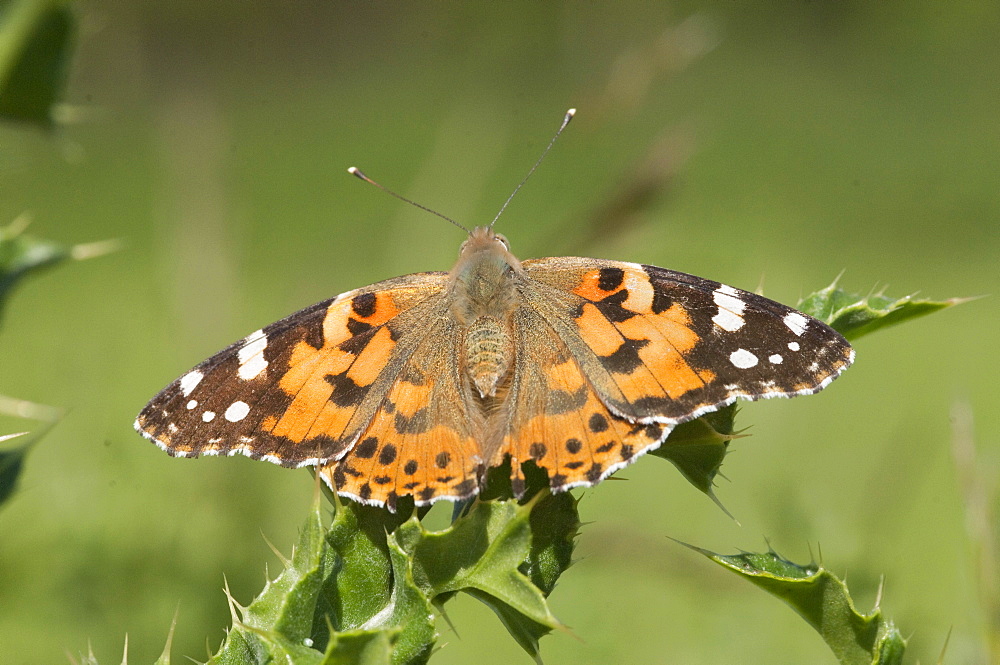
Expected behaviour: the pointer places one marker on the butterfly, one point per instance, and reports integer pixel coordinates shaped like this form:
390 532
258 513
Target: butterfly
417 385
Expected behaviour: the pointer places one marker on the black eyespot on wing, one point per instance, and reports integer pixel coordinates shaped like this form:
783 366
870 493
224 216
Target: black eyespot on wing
609 279
388 455
366 449
358 327
598 423
612 307
363 304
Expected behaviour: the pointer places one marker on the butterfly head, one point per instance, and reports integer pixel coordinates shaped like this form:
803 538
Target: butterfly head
482 278
486 245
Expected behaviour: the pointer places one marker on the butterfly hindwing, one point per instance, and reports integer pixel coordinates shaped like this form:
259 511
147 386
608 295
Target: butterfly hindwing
560 422
424 438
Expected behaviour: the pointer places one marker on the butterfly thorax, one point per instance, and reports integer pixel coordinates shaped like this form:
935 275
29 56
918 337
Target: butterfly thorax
483 297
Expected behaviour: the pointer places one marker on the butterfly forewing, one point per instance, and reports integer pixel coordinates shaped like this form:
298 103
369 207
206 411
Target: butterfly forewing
297 391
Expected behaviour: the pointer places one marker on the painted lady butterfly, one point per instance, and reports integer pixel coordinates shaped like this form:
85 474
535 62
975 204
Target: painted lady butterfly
419 384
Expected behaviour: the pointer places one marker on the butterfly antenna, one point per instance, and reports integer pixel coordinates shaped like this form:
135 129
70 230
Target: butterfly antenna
569 116
356 172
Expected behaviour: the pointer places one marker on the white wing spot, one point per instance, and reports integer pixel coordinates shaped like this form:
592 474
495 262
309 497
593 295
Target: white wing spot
776 359
728 321
793 346
190 381
640 291
193 403
796 322
208 416
237 411
743 359
251 356
731 308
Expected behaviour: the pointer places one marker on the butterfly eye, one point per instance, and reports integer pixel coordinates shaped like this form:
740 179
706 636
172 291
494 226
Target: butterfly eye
503 241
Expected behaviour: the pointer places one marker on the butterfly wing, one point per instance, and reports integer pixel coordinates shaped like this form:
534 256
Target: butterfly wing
298 391
558 420
646 349
424 438
664 346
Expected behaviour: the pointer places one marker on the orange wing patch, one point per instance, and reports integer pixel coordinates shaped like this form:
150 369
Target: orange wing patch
419 442
670 338
576 438
642 344
327 384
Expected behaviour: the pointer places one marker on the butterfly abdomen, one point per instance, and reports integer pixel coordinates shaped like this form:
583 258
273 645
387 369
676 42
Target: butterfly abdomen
489 353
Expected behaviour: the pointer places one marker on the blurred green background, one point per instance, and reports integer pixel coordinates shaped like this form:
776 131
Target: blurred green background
771 145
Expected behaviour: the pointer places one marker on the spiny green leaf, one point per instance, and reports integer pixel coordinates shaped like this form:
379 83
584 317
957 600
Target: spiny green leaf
525 632
280 619
554 522
35 43
266 647
22 254
410 613
482 553
362 584
11 464
825 603
698 447
346 594
361 647
483 550
854 316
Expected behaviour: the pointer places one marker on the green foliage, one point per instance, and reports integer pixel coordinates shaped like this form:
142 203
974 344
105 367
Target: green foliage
854 316
35 46
824 602
364 589
698 447
23 254
11 462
